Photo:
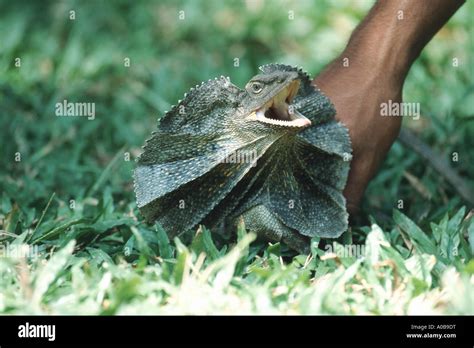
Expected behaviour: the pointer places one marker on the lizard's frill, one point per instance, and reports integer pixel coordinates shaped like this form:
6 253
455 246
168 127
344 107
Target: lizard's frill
186 176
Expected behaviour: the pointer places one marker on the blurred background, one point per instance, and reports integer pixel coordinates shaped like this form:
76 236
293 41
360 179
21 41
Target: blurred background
134 60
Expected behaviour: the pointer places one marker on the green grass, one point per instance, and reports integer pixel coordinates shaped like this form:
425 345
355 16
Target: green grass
69 198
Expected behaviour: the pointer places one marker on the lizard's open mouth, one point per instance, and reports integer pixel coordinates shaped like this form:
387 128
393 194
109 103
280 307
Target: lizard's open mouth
279 111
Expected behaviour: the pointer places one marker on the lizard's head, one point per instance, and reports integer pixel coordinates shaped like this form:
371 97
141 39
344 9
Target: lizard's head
269 97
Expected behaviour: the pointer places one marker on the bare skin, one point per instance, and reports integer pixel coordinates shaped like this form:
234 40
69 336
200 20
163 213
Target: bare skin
370 71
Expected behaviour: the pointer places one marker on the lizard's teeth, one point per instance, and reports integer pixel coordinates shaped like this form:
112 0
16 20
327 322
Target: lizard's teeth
299 122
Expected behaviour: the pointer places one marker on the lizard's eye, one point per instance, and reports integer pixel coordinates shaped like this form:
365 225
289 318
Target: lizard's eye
256 87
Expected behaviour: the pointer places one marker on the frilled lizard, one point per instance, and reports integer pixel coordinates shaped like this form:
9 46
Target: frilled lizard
271 154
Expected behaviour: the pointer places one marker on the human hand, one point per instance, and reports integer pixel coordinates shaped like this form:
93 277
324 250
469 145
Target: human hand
357 95
371 71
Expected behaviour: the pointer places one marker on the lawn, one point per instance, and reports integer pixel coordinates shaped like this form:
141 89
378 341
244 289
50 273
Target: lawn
71 238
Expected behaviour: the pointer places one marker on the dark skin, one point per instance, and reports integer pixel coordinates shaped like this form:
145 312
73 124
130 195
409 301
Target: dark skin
380 53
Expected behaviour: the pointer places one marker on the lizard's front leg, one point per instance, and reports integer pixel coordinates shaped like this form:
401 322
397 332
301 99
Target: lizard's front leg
267 226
